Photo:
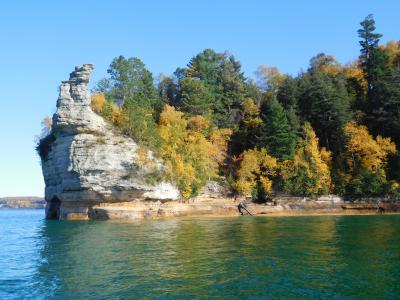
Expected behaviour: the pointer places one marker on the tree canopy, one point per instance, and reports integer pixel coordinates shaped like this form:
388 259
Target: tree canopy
331 128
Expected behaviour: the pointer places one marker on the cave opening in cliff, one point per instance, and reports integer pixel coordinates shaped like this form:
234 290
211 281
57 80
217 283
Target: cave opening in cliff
53 213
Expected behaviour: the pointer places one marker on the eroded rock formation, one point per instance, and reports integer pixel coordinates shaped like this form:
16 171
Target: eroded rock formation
85 162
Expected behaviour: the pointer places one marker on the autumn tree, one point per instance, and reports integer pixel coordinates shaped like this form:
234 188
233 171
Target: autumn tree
269 79
366 160
357 88
97 102
255 174
324 63
192 150
307 174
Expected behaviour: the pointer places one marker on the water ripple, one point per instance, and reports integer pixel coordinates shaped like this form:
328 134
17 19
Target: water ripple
337 257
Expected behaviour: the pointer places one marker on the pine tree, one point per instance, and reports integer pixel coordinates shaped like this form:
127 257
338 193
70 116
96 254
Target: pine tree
194 97
325 103
370 55
249 128
131 80
222 76
288 96
383 78
276 134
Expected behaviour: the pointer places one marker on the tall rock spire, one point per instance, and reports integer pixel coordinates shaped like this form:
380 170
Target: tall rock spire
87 163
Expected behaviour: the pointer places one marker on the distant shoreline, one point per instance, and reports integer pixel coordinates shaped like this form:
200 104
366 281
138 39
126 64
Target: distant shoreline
22 202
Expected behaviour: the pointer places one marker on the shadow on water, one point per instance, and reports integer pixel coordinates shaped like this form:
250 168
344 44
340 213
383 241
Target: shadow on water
338 257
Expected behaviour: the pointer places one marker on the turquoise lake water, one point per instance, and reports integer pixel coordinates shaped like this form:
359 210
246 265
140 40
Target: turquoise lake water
328 257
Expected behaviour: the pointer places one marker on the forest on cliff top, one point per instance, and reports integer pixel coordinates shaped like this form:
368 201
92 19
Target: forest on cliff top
331 129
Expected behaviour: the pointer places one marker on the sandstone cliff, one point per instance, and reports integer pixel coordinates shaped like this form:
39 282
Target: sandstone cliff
85 162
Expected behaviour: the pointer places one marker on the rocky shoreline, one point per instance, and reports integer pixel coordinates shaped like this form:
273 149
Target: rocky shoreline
222 207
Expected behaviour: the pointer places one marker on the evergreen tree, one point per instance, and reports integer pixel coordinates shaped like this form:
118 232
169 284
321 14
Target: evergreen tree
194 97
383 109
223 77
167 90
325 103
249 128
384 117
370 55
287 95
276 134
131 80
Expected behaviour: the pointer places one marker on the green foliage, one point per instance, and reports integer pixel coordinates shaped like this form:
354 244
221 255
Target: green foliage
384 105
190 116
167 90
249 128
371 57
223 78
367 184
325 103
131 80
194 97
44 145
276 134
139 124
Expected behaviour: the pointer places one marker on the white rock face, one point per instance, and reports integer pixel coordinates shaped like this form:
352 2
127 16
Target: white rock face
87 162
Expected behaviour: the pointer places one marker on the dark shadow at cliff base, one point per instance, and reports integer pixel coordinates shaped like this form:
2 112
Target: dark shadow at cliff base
53 212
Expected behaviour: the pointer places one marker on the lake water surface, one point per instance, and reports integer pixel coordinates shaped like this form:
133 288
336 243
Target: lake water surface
328 257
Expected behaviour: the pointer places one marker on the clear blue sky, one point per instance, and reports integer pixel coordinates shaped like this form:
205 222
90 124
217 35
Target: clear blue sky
41 42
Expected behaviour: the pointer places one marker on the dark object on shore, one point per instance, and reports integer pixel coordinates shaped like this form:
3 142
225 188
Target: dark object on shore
243 207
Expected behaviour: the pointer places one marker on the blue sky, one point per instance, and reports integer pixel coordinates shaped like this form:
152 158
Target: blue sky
42 41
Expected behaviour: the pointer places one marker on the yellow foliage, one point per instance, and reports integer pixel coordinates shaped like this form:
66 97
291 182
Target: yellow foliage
392 49
326 64
326 155
251 113
198 123
354 71
270 79
97 102
117 116
219 142
47 123
191 155
366 151
256 166
394 188
308 172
